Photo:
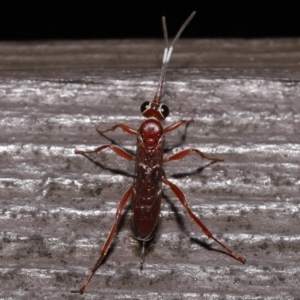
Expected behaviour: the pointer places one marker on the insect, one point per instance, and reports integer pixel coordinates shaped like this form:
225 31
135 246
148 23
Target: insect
147 187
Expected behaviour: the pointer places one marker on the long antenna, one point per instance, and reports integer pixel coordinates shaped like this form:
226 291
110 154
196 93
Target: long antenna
167 54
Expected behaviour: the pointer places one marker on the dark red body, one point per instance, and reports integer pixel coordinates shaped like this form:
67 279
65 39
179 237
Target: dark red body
146 190
146 196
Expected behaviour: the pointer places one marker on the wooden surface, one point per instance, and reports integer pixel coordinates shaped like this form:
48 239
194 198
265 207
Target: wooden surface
56 208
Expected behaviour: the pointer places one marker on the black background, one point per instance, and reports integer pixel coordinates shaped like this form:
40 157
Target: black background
46 20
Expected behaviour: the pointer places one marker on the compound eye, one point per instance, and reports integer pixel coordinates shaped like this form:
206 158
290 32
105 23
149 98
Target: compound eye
164 110
145 106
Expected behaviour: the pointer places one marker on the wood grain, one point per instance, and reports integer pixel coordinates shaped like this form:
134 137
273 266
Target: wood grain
56 208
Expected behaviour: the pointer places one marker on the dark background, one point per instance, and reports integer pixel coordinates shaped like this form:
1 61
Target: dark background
141 19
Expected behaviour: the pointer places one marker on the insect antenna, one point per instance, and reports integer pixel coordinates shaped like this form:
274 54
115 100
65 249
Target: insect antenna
167 54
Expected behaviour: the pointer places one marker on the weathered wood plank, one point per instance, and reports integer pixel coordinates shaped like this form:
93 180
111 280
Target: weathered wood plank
57 207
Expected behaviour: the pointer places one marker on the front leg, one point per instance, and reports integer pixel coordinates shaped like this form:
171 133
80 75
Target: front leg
178 124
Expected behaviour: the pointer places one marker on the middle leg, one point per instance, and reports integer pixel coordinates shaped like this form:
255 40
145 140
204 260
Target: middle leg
186 152
121 152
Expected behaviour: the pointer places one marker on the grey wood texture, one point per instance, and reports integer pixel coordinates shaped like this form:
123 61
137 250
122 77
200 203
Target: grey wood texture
56 208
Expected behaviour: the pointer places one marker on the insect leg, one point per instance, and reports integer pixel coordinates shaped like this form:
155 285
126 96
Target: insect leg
178 124
122 126
182 199
121 152
108 240
185 152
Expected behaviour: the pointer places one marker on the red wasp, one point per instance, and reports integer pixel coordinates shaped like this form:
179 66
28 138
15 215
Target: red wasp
147 187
